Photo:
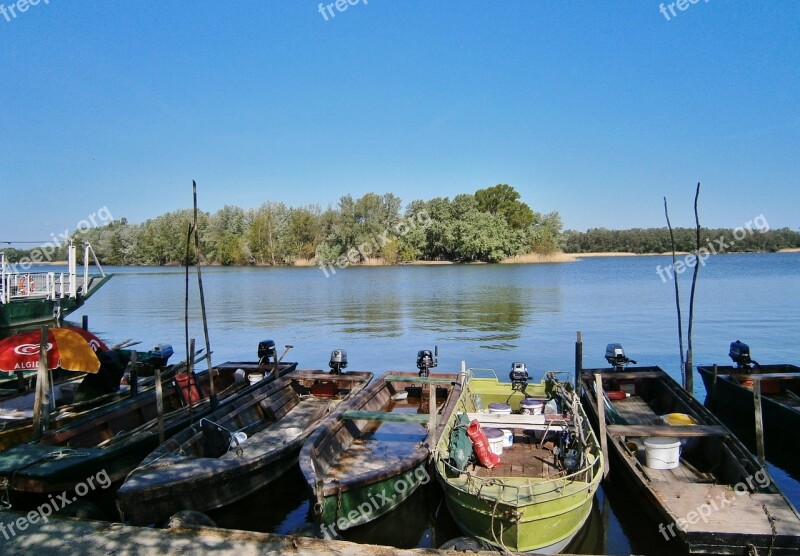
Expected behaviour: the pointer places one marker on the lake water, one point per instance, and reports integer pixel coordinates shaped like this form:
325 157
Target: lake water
487 315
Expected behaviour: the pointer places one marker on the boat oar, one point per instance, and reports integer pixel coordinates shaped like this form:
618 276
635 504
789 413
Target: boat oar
277 373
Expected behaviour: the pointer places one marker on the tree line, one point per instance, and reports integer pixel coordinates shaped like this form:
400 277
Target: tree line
487 226
657 240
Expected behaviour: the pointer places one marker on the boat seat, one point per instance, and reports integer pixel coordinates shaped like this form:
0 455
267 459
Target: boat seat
667 430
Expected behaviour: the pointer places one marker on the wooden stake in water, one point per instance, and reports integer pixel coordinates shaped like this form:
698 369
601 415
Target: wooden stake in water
760 452
197 262
578 363
41 404
601 418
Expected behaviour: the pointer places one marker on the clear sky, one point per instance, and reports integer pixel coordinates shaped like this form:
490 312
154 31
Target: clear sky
595 110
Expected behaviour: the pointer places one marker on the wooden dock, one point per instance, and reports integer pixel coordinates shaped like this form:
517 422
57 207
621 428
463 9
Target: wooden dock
73 536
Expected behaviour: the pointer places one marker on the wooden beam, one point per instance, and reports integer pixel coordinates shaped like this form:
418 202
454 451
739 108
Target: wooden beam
667 430
601 418
776 376
759 422
386 416
626 375
418 379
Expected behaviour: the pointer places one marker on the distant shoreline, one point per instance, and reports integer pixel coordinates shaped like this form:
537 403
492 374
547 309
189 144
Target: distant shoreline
532 258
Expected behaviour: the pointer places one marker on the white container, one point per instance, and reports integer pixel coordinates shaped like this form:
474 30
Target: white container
662 452
237 439
499 409
255 377
531 407
508 438
495 438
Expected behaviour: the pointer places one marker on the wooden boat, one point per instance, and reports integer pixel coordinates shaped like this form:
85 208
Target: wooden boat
370 456
729 392
541 494
236 450
16 413
705 493
114 438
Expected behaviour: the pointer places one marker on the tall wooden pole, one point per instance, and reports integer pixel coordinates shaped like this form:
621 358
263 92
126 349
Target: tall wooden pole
578 363
689 358
197 262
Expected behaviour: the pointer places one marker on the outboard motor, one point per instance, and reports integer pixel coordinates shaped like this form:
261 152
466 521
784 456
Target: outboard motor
266 352
740 353
616 357
338 361
159 355
519 377
426 360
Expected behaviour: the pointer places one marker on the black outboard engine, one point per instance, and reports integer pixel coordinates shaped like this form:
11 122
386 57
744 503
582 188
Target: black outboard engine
519 377
426 360
740 353
266 352
338 361
616 357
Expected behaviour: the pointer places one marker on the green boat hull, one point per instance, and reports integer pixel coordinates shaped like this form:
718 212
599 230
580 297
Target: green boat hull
542 526
358 506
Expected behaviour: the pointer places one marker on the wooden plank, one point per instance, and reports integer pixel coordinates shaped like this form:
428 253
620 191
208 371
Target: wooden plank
748 376
519 421
386 416
626 375
667 430
759 422
601 418
419 380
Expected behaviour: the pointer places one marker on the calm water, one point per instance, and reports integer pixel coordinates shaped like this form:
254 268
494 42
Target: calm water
488 315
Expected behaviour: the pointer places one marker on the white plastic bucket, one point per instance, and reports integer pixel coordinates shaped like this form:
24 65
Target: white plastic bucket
255 377
508 438
238 438
495 438
662 452
531 407
499 409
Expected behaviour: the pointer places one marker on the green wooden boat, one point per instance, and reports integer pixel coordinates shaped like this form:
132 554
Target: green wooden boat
370 456
542 492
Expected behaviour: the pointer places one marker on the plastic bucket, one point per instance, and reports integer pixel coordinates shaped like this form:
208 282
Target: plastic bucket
499 409
255 377
531 407
508 438
495 438
662 452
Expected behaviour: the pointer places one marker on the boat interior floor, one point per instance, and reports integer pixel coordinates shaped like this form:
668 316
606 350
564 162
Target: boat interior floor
274 435
635 411
522 459
381 442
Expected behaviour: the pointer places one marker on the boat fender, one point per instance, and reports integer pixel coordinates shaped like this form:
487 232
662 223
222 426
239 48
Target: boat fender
480 444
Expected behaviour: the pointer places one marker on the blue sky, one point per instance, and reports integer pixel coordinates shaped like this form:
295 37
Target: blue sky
594 110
